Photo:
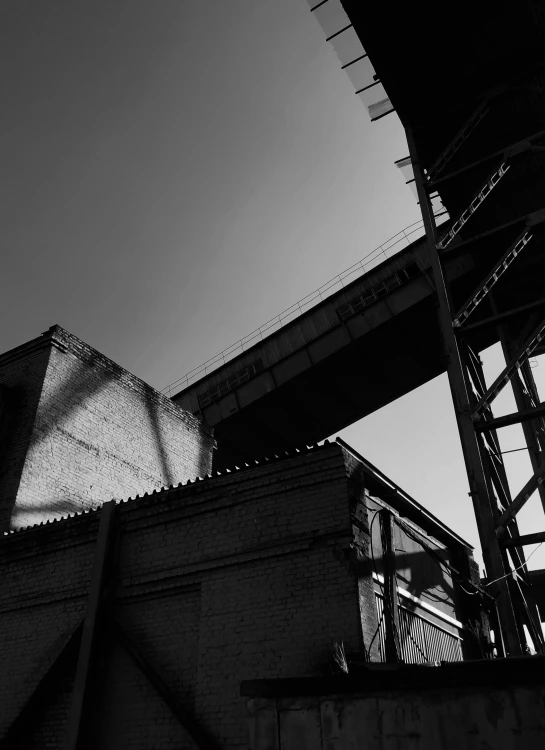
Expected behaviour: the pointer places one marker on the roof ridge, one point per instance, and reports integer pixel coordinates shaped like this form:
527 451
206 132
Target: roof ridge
160 493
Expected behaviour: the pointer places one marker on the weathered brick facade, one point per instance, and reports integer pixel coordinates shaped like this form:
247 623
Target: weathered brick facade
216 581
78 430
255 572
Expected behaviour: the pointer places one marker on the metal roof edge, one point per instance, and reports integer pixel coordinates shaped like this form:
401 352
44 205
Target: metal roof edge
415 506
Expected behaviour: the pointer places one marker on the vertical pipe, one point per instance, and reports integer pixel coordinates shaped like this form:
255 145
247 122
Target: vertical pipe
391 605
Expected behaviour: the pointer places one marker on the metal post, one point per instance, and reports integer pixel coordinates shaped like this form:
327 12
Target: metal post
479 491
391 605
521 400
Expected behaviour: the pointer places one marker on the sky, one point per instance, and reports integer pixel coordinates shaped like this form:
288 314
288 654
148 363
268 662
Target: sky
177 172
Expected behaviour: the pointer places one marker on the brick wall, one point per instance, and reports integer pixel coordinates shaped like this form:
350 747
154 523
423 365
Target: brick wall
257 572
246 573
88 431
44 585
22 373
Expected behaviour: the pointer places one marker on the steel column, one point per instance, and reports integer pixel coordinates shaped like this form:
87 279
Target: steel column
523 496
527 415
511 368
483 504
525 607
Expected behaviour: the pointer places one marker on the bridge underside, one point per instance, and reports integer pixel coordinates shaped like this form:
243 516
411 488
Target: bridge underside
436 76
361 377
364 362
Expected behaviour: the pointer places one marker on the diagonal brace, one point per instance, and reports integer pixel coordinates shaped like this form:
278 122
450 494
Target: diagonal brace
479 294
525 494
513 149
507 373
477 201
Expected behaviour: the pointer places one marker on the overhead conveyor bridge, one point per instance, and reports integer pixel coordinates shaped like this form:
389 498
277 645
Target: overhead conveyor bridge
362 348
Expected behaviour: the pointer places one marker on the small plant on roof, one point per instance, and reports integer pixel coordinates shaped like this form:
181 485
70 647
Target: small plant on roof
339 657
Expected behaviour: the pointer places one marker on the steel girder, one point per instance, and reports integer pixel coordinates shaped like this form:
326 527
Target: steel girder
495 509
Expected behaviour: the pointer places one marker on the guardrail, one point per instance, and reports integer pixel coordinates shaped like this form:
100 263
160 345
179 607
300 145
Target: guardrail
398 241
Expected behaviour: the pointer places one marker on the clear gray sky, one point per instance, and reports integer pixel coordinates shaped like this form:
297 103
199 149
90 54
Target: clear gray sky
176 172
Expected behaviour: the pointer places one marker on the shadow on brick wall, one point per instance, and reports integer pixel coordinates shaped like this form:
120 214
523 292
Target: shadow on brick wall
162 453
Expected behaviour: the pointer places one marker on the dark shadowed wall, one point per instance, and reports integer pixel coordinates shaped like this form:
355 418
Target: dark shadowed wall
215 581
255 572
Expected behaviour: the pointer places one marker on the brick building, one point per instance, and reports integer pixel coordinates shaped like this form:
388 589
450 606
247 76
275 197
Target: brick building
77 430
133 623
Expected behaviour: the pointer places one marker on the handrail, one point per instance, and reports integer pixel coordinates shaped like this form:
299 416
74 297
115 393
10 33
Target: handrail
276 323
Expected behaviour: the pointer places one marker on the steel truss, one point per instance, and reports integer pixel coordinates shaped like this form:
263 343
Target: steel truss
495 508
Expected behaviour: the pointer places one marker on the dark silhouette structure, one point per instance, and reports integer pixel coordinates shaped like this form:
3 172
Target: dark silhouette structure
482 152
475 125
133 622
133 625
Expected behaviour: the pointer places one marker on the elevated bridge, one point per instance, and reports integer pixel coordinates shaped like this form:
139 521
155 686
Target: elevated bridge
363 347
467 81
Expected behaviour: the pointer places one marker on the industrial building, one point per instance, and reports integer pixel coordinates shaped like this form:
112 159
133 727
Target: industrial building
166 557
132 619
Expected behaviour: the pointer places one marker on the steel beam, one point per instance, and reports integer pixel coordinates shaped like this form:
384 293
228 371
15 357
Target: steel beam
84 668
509 419
499 268
511 368
500 486
532 616
502 316
522 541
523 399
509 640
523 496
514 148
392 647
458 140
491 446
476 202
529 220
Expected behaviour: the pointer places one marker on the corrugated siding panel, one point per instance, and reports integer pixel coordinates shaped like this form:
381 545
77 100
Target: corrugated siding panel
421 640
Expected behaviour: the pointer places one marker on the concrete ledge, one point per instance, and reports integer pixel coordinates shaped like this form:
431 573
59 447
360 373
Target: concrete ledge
373 678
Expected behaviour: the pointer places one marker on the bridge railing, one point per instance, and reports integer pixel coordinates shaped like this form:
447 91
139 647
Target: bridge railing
392 246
